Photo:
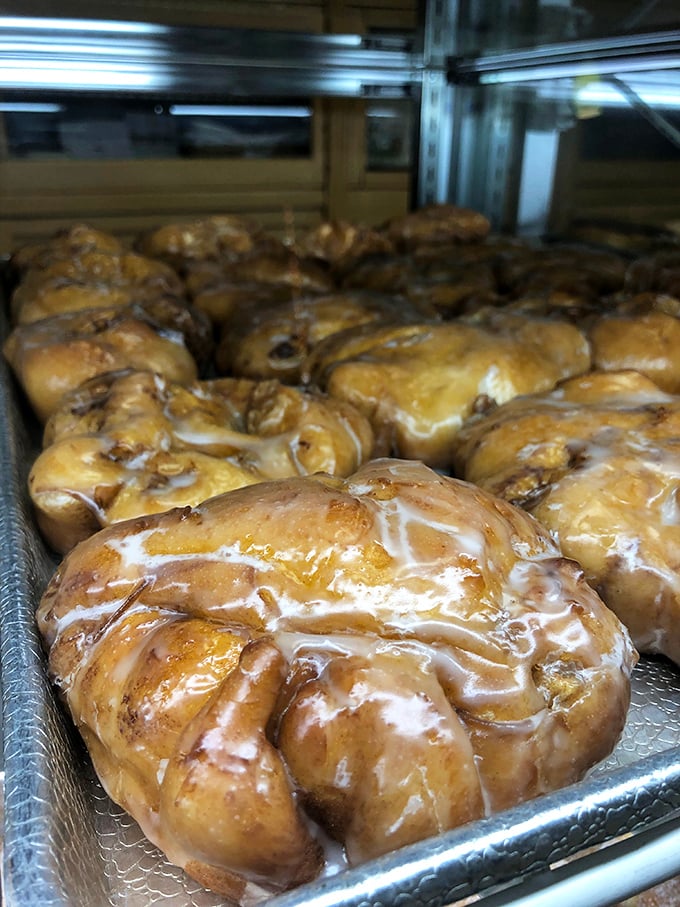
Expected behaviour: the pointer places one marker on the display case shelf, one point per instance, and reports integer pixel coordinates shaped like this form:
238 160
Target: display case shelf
88 56
470 151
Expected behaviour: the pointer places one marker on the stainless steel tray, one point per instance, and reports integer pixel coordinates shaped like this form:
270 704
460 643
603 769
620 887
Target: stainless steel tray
67 845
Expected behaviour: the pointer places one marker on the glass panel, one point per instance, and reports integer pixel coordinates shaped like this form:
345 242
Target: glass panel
389 135
537 157
616 134
83 129
489 26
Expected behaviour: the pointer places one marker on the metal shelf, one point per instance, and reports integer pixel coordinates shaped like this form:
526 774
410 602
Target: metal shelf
85 56
97 56
618 54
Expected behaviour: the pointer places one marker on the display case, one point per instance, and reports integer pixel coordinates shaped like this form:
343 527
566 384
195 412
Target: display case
513 109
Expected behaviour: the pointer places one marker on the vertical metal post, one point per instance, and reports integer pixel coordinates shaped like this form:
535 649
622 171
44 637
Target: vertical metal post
507 140
436 102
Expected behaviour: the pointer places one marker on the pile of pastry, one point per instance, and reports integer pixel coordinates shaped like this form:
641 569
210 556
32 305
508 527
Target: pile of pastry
362 532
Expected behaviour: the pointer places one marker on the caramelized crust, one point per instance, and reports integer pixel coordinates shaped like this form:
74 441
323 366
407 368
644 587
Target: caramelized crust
417 383
53 356
435 224
90 280
597 461
384 656
129 443
274 342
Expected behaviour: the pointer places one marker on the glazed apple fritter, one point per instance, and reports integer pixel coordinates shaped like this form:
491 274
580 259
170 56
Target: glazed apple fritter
438 223
54 355
129 443
418 383
90 280
63 246
274 342
648 343
204 239
597 461
384 657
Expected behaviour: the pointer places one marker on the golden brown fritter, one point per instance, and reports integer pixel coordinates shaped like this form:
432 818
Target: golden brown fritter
656 273
279 266
204 239
53 356
130 443
223 299
388 655
90 280
597 461
648 343
434 224
64 245
418 383
340 243
274 342
546 269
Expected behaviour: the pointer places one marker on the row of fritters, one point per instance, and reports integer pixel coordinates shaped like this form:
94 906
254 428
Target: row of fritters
242 279
309 340
94 268
73 366
144 421
268 316
441 257
145 433
597 460
382 656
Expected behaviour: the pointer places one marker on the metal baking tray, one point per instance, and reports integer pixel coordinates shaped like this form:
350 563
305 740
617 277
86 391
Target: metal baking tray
67 845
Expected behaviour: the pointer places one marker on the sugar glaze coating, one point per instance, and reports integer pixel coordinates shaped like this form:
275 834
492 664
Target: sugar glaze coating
596 461
383 657
130 442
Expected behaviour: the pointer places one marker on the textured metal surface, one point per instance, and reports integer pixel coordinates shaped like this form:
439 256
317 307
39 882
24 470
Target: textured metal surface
437 103
67 844
51 854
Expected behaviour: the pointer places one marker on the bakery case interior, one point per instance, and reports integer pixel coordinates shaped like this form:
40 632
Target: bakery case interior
341 435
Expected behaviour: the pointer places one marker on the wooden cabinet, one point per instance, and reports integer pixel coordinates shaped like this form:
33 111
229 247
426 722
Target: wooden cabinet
42 193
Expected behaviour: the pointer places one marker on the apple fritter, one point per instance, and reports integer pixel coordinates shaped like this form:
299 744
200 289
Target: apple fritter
89 280
63 246
275 341
597 461
648 343
417 383
129 443
317 661
438 223
215 238
54 355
